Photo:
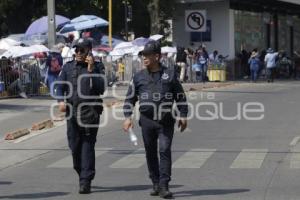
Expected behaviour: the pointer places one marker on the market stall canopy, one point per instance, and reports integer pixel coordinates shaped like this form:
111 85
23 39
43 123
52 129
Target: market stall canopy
84 22
40 25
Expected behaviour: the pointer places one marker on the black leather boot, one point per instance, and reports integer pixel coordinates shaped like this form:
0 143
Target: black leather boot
84 189
165 193
155 191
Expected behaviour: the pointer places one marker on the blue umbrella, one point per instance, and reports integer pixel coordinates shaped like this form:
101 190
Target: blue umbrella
84 22
40 25
115 41
140 41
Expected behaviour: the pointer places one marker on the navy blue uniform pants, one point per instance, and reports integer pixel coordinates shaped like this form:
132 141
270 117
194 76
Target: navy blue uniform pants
152 131
82 146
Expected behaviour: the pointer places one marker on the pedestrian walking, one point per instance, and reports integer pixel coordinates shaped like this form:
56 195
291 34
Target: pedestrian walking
156 87
254 65
202 61
83 114
270 61
181 61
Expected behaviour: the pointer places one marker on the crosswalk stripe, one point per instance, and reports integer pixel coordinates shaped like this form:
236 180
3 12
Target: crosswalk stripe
193 159
295 160
67 162
133 160
249 159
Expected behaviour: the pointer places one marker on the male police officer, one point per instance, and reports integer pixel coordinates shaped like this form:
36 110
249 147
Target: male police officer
156 87
82 126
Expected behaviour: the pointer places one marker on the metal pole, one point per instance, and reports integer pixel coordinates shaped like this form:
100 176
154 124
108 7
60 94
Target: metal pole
51 23
126 22
110 22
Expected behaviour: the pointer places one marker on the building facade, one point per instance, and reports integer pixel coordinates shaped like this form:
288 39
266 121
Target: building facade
236 25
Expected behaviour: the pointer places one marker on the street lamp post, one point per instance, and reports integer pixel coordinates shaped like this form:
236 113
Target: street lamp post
126 16
110 22
51 23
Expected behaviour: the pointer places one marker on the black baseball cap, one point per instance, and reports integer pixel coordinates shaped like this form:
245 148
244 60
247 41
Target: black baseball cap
152 47
83 43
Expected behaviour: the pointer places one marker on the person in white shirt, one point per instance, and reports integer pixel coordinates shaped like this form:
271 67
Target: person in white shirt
213 58
270 61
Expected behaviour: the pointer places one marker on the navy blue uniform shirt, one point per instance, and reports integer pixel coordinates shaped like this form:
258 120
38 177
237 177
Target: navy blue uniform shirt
154 89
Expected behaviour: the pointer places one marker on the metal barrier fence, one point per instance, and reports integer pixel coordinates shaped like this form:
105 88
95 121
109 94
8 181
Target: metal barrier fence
19 77
28 76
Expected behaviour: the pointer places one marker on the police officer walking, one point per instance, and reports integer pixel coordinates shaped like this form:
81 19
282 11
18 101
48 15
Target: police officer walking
83 108
156 87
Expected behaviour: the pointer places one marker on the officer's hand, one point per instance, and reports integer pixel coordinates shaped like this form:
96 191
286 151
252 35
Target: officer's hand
182 124
62 107
90 61
127 124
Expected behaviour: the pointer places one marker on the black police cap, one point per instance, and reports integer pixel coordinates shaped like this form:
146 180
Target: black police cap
152 47
83 43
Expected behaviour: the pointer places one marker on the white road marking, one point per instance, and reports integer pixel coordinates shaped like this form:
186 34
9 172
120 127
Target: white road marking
67 162
249 159
193 159
295 141
133 160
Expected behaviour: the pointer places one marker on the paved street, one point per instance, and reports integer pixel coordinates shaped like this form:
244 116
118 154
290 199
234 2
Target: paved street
213 160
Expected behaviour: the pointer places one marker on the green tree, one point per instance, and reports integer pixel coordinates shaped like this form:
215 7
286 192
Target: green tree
148 15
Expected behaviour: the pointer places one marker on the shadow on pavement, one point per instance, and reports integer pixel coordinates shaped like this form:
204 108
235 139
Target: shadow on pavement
5 183
22 107
126 188
191 193
241 92
35 195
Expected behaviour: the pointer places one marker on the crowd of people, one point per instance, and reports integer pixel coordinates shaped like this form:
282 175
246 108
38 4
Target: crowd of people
268 64
21 76
192 65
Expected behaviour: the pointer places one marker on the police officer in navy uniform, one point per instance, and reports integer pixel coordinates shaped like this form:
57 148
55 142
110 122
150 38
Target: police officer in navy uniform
156 87
82 126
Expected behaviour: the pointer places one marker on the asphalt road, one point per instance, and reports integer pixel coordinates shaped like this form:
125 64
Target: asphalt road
213 160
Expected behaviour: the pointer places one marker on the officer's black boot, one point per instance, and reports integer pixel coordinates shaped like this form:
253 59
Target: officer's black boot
165 193
84 189
155 191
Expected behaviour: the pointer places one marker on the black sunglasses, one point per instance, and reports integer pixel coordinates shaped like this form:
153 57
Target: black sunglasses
81 50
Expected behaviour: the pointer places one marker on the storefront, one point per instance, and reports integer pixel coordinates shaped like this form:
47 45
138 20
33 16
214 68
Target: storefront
236 25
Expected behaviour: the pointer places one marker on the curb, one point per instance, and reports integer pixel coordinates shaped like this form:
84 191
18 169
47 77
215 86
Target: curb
205 87
43 124
49 123
16 134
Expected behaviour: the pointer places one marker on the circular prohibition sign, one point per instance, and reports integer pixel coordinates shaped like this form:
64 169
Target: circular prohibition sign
195 20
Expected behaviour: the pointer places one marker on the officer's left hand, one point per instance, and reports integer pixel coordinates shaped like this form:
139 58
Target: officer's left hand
182 124
90 61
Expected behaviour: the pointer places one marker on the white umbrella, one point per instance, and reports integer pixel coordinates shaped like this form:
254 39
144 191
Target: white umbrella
84 22
156 37
38 48
124 45
167 49
7 43
19 51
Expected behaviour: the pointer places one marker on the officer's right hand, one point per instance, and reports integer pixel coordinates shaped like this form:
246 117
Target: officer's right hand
127 124
62 107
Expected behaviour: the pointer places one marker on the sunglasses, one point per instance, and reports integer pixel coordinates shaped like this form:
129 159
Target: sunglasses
81 50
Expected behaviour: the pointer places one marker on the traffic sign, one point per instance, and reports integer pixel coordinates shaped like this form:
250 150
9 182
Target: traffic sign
195 20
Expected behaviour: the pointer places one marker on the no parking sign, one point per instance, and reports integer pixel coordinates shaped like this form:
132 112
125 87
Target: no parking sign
195 20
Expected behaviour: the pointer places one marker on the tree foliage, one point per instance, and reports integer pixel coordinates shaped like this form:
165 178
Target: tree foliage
148 15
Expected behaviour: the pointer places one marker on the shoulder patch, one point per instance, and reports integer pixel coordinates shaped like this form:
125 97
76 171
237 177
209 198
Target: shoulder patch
165 76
